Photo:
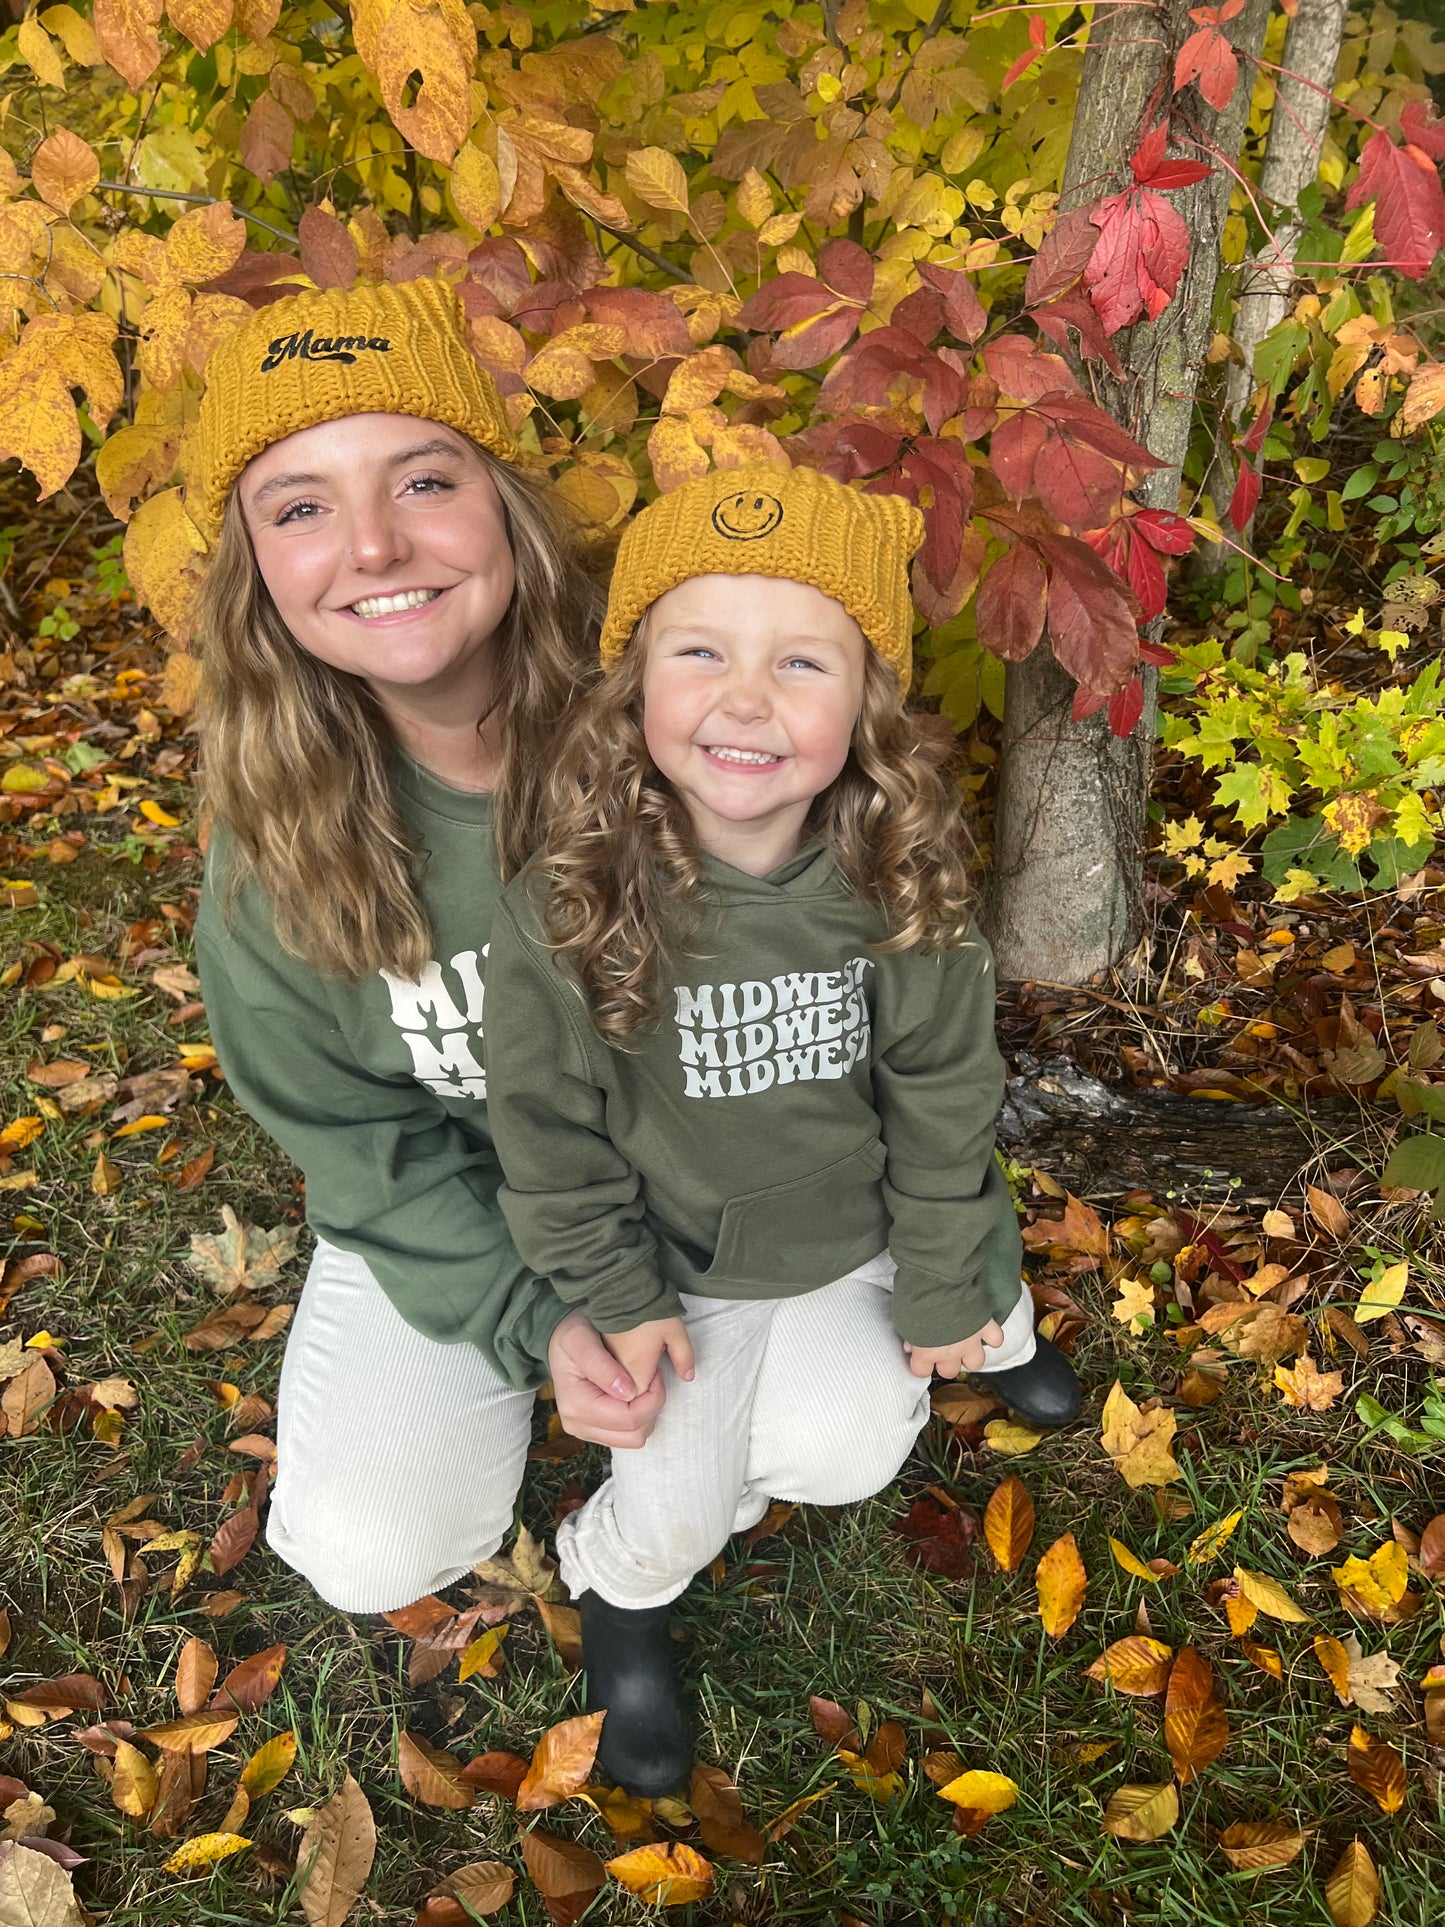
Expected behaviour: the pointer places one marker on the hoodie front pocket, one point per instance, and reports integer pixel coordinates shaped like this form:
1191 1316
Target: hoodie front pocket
829 1221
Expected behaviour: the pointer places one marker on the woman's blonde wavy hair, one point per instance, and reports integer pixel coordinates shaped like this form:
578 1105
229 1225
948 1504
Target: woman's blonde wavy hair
296 755
620 883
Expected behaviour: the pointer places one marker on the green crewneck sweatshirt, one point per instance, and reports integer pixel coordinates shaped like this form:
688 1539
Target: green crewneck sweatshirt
377 1089
806 1102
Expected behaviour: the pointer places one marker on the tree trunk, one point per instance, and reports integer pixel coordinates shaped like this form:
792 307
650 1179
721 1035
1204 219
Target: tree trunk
1066 895
1291 161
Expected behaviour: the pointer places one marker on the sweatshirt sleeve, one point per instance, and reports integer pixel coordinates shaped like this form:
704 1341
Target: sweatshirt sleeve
389 1175
573 1201
955 1236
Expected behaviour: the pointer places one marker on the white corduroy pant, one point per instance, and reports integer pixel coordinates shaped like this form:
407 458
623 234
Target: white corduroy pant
399 1458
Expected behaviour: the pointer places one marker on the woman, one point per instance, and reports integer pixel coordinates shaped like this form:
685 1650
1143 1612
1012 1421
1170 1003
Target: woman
393 626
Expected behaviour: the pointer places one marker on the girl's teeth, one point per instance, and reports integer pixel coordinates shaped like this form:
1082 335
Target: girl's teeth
390 605
745 756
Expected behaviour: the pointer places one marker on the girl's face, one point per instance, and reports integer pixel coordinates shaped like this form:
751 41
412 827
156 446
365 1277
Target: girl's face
751 689
382 541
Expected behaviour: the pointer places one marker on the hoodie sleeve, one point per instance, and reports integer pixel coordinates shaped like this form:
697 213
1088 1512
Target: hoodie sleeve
573 1201
938 1087
389 1175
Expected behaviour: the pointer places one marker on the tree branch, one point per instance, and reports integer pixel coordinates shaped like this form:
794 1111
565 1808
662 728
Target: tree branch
197 200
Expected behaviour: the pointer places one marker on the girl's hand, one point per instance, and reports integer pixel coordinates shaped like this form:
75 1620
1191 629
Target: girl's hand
640 1351
595 1398
949 1360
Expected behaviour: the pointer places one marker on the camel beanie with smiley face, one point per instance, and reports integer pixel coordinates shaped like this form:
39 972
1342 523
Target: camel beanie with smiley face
792 523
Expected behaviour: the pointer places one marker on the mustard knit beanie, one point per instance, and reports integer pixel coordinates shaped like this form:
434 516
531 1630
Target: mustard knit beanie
791 523
369 350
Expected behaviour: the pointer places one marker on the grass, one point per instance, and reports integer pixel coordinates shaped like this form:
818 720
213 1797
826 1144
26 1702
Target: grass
832 1605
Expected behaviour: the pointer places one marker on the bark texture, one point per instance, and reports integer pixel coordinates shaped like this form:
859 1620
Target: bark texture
1066 896
1291 161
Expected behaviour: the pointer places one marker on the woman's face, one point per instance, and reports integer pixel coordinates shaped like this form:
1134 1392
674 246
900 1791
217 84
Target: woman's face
382 541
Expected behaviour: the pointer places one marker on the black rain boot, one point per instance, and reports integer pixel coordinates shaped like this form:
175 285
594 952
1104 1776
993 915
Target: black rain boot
1043 1392
631 1675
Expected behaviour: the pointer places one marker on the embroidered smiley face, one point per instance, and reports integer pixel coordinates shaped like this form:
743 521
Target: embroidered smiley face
747 516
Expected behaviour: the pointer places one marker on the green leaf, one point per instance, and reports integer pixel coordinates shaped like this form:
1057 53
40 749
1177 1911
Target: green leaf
1417 1163
1304 843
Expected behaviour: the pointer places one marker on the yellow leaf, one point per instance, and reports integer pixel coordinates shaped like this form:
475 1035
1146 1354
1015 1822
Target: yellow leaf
38 52
74 34
138 1124
204 1851
1140 1443
1379 1582
201 21
664 1876
63 168
754 198
1008 1436
1131 1562
1209 1544
1142 1812
657 177
126 32
1008 1523
39 427
1137 1665
1336 1662
105 1178
1352 1892
1062 1583
1306 1388
1269 1596
1384 1294
269 1765
23 1132
984 1792
1249 1845
162 546
1377 1769
476 187
153 813
424 40
135 1784
482 1649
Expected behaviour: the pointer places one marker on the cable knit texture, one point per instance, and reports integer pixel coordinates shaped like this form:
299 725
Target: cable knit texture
791 523
315 357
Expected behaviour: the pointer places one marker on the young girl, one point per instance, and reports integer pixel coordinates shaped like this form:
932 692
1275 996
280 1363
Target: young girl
393 626
742 1073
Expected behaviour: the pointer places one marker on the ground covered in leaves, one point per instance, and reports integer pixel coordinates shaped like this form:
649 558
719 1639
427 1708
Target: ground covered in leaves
1178 1664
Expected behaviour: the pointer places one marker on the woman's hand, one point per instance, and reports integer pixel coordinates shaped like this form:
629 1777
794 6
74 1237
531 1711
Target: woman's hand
640 1351
949 1360
595 1400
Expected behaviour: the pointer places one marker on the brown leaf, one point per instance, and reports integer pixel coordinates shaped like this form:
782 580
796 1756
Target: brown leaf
27 1396
224 1327
1008 1522
1196 1729
485 1886
1432 1548
1251 1844
182 1782
831 1722
65 1694
192 1733
1062 1583
337 1850
1377 1769
714 1799
564 1629
567 1875
1137 1666
1316 1523
195 1674
1352 1892
500 1773
1327 1212
430 1775
247 1687
561 1763
234 1540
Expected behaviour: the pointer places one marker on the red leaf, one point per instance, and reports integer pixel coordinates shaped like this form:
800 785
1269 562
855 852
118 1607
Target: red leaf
1024 372
919 314
937 1537
1090 620
943 469
1010 607
1075 310
1151 169
233 1540
1144 573
1015 450
867 371
1142 251
1258 429
1071 455
1162 529
1126 708
1209 61
1245 497
1423 128
849 269
962 309
851 447
1026 60
653 323
1150 151
1409 203
1155 652
1062 257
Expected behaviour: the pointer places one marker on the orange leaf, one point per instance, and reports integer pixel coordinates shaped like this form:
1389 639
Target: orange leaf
1137 1666
1008 1523
1377 1769
430 1775
194 1733
1062 1583
562 1869
249 1685
1196 1729
664 1876
1352 1892
561 1764
195 1674
1252 1844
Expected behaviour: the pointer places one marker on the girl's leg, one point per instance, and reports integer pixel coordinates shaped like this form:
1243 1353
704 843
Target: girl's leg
837 1408
398 1458
668 1507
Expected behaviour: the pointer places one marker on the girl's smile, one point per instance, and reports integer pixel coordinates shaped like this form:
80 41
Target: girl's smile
751 689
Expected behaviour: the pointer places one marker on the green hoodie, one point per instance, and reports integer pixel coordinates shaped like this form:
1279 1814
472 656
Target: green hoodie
805 1102
376 1088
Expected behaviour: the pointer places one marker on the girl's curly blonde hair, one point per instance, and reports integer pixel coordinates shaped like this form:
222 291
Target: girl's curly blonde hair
621 880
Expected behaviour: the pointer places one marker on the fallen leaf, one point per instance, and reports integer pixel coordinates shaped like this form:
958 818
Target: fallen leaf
1432 1549
1378 1582
1196 1728
243 1257
63 1695
1269 1596
134 1785
561 1764
430 1775
1138 1666
1377 1769
1315 1524
1327 1211
1142 1812
483 1655
1383 1295
958 1403
1352 1892
938 1537
269 1765
1249 1845
1140 1443
204 1851
196 1672
1008 1523
1264 1657
1131 1562
1062 1583
335 1857
1336 1663
664 1876
1306 1388
499 1773
831 1722
247 1687
566 1873
719 1809
1008 1436
192 1733
981 1791
485 1886
564 1629
35 1891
